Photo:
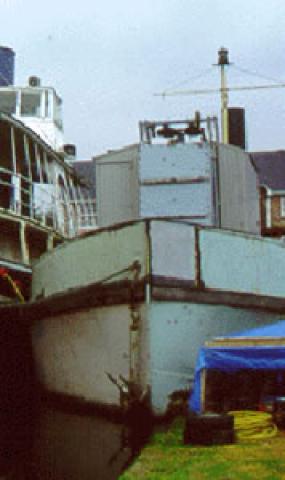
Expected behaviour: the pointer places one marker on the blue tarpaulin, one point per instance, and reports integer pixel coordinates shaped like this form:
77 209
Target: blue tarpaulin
232 359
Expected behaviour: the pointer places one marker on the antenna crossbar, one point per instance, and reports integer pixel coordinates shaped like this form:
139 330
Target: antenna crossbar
218 90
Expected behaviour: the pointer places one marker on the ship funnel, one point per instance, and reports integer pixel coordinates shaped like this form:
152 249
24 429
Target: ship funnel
237 134
7 66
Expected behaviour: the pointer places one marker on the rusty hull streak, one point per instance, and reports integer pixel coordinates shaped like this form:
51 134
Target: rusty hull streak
123 292
180 292
174 180
149 262
198 281
92 296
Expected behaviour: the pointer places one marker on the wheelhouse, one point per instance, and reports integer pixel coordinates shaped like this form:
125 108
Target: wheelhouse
39 108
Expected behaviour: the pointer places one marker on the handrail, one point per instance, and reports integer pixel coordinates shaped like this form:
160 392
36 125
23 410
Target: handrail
50 204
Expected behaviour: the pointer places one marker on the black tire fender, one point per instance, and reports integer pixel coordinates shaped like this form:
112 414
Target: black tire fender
211 420
209 428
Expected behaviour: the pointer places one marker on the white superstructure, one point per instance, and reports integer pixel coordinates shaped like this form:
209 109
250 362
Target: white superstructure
38 107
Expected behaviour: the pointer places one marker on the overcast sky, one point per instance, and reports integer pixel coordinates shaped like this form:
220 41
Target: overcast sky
106 58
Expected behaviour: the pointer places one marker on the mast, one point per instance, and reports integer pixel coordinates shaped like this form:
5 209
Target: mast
223 61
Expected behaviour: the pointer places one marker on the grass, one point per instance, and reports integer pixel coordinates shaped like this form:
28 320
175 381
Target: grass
166 458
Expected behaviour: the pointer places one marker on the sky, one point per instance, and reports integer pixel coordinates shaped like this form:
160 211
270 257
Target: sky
107 58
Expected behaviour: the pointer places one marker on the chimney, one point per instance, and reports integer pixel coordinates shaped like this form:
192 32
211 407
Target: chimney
236 118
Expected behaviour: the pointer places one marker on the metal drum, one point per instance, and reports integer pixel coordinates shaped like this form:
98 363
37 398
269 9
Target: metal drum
279 412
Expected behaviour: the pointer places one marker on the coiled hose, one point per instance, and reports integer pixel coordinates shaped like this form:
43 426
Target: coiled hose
253 425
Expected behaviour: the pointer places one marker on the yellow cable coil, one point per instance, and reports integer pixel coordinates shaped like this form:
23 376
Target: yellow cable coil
253 425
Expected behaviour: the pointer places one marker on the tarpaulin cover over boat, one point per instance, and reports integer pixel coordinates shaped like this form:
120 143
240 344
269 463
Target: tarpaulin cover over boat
233 358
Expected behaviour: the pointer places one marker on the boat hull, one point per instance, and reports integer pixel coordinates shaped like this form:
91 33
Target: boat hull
124 311
75 351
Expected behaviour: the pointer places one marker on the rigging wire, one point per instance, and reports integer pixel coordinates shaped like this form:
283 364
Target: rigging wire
169 91
190 79
256 74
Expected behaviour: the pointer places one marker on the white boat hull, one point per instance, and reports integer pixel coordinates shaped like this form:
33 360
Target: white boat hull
75 351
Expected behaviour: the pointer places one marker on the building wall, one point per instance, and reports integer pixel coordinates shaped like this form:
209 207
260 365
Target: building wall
277 220
176 180
272 221
155 180
117 186
239 192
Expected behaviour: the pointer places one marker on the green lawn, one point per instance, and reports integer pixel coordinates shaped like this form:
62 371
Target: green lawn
167 458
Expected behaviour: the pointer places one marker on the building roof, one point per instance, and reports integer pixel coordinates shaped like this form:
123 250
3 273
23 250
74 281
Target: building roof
270 168
85 169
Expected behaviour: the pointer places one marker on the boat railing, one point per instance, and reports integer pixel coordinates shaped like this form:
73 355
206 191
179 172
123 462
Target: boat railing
81 212
47 203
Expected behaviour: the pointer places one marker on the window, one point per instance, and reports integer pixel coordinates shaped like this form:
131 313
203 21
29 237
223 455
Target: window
31 104
8 102
43 198
48 103
282 206
58 111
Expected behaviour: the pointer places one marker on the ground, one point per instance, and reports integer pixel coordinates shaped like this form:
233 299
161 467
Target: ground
165 458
